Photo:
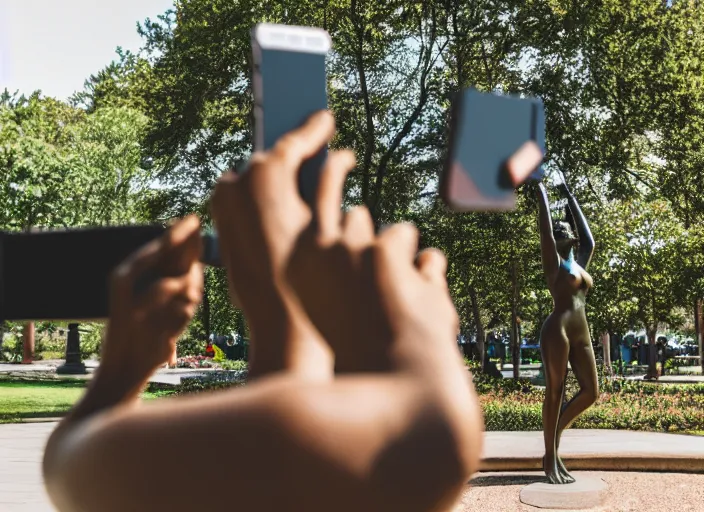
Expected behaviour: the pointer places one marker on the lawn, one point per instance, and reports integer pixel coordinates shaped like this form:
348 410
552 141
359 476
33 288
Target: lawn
43 399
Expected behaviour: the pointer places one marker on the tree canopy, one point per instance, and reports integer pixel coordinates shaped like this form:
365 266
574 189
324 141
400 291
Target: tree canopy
622 84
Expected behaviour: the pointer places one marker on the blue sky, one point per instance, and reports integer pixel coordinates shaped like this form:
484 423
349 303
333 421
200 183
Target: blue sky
54 45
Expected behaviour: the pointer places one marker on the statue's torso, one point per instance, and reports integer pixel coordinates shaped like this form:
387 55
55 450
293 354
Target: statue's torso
569 286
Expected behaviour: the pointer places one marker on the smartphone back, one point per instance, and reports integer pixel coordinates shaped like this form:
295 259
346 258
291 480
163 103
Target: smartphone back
290 85
486 130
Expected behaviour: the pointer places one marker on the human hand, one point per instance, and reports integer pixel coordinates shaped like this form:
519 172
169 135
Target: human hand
259 216
378 306
558 180
143 327
523 163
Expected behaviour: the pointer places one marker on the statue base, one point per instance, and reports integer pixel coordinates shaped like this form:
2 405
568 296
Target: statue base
584 493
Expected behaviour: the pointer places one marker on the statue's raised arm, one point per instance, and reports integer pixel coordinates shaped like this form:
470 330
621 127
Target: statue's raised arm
585 248
548 249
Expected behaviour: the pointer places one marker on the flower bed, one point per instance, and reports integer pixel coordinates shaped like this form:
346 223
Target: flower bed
651 411
195 362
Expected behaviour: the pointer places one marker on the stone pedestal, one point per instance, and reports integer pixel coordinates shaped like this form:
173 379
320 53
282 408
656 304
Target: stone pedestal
583 494
73 364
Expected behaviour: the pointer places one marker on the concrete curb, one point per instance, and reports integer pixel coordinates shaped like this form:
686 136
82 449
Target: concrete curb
596 450
597 462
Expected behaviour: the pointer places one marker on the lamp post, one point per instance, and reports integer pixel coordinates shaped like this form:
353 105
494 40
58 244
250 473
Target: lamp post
73 364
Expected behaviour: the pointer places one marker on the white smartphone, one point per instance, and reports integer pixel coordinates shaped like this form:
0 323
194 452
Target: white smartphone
290 85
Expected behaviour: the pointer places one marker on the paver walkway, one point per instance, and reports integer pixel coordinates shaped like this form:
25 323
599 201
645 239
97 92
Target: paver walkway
22 445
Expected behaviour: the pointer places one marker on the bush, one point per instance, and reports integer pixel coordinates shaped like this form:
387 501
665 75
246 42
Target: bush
48 347
231 365
11 350
485 383
189 345
636 406
211 382
91 340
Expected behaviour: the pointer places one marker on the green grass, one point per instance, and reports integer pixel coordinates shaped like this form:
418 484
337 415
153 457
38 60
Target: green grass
44 399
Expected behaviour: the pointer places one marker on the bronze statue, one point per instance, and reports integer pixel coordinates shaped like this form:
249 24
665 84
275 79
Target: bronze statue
565 333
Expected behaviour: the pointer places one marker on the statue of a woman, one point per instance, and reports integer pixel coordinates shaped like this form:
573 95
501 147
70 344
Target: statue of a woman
565 333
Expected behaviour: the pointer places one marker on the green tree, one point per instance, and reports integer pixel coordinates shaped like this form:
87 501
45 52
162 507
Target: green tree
649 265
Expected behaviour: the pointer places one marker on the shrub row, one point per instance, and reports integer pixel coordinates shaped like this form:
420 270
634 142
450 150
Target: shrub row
658 413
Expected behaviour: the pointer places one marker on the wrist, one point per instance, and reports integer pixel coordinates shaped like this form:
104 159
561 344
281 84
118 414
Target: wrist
112 385
119 367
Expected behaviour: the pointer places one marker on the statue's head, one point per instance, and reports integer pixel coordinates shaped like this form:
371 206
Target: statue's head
565 239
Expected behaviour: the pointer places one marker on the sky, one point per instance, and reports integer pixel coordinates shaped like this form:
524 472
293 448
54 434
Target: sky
55 45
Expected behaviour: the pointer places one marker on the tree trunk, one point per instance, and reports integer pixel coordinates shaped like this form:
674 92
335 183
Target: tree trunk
652 353
606 347
479 327
28 343
699 336
515 348
515 344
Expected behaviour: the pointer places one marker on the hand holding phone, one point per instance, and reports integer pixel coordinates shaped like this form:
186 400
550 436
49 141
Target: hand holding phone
491 137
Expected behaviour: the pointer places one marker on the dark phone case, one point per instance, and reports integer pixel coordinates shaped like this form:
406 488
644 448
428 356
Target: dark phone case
525 122
64 275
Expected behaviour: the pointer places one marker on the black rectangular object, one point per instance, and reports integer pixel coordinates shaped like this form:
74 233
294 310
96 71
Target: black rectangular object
64 275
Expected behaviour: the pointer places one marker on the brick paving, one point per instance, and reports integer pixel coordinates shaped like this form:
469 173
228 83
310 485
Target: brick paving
21 485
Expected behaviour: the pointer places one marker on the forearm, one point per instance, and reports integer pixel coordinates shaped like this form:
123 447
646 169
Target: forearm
583 231
359 444
283 338
544 218
111 387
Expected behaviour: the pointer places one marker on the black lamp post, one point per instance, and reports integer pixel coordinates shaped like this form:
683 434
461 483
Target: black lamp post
73 364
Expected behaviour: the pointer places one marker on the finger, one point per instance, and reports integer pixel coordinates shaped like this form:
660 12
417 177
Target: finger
174 316
328 206
161 292
432 264
124 276
398 245
523 162
186 288
358 228
300 144
183 245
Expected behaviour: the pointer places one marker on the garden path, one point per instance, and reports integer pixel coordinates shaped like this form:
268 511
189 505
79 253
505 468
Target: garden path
22 490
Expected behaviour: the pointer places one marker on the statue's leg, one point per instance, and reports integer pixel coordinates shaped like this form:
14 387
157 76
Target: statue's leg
583 365
555 352
561 465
